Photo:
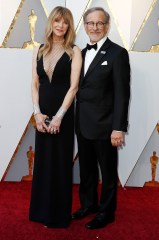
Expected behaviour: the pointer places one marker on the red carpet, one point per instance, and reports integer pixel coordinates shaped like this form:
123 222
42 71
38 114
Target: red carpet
137 217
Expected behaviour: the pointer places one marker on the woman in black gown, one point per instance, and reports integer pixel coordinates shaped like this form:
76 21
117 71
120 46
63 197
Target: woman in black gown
56 70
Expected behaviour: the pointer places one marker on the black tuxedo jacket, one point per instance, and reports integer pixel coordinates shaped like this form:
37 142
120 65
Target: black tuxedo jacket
104 91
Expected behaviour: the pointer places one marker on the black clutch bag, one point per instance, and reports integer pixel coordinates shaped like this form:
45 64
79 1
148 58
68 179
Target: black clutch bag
47 121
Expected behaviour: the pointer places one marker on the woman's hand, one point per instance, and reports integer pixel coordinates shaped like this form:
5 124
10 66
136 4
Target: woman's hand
54 126
40 124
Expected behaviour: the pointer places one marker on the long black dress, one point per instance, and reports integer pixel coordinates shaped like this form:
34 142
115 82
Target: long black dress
51 196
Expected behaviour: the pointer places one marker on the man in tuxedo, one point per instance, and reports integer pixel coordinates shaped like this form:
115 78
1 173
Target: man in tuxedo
101 118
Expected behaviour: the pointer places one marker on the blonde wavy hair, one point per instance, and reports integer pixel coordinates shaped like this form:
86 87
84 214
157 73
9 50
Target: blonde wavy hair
57 13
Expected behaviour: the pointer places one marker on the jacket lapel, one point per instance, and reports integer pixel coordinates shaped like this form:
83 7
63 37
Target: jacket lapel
101 53
83 57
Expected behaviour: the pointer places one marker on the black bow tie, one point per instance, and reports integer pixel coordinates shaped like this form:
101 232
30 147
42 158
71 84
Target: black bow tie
89 47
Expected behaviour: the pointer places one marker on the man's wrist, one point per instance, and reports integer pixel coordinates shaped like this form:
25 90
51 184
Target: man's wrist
118 131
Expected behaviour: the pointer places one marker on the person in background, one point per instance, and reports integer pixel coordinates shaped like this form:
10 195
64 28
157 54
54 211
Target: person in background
56 71
101 118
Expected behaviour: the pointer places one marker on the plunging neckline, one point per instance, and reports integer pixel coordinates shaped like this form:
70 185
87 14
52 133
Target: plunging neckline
50 81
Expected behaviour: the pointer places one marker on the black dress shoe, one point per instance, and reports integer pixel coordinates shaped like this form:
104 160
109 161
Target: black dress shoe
100 222
83 212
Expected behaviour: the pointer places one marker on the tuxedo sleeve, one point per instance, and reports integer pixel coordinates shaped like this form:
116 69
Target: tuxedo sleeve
121 83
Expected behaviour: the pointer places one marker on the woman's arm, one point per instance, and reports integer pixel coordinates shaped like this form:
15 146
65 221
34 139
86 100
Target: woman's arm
69 97
39 117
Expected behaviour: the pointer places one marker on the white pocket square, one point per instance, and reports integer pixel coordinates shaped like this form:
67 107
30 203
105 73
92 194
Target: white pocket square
105 63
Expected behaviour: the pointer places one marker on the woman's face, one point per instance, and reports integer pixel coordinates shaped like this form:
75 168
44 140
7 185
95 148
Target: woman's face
59 27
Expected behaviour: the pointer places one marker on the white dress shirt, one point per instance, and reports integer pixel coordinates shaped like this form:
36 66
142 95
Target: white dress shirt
90 54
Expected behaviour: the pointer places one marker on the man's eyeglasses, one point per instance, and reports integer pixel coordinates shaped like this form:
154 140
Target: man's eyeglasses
97 24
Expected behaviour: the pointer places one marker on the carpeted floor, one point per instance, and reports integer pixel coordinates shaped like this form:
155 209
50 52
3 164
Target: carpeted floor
137 217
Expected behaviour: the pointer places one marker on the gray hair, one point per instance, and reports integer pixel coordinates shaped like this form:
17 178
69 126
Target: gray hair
90 10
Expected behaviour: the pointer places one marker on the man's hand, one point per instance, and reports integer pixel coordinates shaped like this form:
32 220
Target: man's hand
117 138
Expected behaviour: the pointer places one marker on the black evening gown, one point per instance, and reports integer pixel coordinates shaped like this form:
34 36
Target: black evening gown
51 196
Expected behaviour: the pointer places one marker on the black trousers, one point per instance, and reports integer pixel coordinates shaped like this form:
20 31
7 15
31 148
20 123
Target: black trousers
92 152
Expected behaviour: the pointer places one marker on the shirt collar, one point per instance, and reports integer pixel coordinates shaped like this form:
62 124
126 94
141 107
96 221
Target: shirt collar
100 43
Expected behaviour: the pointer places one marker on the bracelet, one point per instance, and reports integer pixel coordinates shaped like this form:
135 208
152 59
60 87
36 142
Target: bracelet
61 112
36 109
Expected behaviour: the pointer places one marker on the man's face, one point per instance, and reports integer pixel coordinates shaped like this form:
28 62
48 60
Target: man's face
95 27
